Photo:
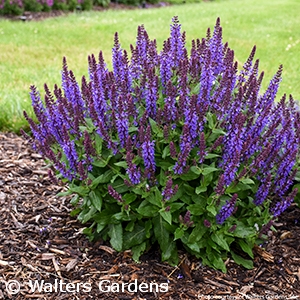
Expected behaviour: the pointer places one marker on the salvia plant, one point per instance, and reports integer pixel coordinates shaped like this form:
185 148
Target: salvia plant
172 148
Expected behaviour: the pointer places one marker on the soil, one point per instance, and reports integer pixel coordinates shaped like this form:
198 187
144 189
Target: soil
40 241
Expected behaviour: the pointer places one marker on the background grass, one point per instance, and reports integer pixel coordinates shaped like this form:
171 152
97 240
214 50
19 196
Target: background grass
31 52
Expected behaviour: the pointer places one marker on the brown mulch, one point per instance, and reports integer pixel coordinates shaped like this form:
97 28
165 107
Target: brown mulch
40 241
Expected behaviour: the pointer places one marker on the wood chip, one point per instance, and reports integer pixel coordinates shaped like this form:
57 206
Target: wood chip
47 256
61 252
246 289
3 263
107 249
56 267
264 254
286 235
71 264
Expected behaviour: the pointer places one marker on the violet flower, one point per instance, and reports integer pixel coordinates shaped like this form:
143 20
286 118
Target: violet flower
282 205
227 210
148 153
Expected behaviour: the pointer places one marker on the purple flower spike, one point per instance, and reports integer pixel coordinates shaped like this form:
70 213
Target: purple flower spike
115 194
282 205
220 188
206 223
202 153
263 191
173 151
148 153
227 210
180 165
177 42
133 172
169 190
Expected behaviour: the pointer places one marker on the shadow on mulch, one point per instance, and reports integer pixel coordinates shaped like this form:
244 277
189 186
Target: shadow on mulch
40 243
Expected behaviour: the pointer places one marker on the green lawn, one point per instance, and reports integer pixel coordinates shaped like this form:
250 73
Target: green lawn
31 52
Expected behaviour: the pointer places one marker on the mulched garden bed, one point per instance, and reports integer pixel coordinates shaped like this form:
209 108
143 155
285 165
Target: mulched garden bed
40 241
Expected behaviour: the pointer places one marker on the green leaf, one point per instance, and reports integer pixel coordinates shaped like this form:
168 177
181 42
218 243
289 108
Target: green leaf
166 215
197 233
216 261
211 120
248 264
200 189
194 247
100 227
138 250
122 164
116 236
166 152
88 232
213 245
207 180
246 248
103 178
179 232
120 186
237 188
101 163
132 129
196 209
164 163
135 237
121 216
104 218
66 193
129 198
89 123
243 231
80 190
179 193
247 181
75 212
75 200
155 198
98 143
188 190
162 178
218 131
148 227
162 236
196 170
212 209
208 170
190 175
154 126
219 240
130 226
170 254
195 90
86 214
211 155
175 206
147 210
96 199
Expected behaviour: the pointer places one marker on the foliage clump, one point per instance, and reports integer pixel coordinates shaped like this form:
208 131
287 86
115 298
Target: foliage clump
172 148
18 7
